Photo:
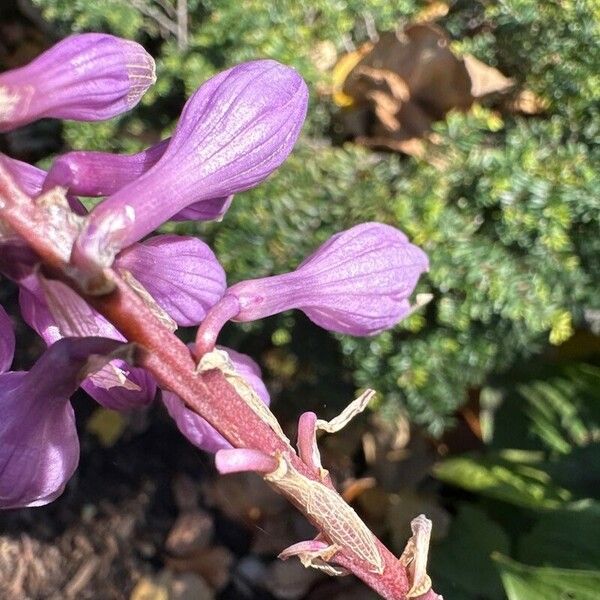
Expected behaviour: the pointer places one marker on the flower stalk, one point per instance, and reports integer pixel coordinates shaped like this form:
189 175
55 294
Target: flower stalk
350 545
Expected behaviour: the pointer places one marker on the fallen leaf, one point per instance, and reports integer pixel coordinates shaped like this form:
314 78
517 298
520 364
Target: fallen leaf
485 80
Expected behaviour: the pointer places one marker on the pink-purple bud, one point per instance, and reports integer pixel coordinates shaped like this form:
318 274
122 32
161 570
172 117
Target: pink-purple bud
181 273
29 178
358 283
87 173
233 132
86 77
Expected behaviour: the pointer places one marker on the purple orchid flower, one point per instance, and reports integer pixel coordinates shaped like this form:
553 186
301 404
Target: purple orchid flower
234 132
358 283
86 77
86 173
39 447
194 427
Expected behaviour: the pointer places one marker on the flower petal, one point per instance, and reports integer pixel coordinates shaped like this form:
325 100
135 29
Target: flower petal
39 448
7 341
55 311
86 77
181 273
233 133
194 427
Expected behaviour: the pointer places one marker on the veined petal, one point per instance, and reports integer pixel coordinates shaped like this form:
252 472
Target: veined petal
55 311
358 283
86 77
39 448
181 273
7 341
233 133
194 427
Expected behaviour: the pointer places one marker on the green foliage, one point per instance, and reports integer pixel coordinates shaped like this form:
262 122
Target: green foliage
520 503
509 216
476 577
519 482
526 583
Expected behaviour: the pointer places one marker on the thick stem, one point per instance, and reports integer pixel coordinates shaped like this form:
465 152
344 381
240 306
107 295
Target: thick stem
209 394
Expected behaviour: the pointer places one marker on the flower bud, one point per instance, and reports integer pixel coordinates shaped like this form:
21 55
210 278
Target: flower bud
233 133
358 283
87 173
180 272
86 77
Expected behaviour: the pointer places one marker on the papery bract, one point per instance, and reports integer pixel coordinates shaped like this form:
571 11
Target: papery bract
193 426
86 77
358 282
39 447
55 311
233 133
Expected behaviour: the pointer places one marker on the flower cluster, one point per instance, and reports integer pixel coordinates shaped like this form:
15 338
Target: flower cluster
234 131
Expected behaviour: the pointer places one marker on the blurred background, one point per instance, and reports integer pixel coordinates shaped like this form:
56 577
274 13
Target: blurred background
473 126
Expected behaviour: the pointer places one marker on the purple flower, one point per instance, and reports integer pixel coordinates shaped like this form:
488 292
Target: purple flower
54 312
193 426
101 174
39 448
29 178
31 181
86 77
358 282
233 133
181 274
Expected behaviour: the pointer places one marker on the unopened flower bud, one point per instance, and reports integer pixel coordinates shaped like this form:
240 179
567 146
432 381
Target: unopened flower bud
86 77
358 283
233 133
88 173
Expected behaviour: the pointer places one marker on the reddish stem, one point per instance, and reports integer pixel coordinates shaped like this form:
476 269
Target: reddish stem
208 394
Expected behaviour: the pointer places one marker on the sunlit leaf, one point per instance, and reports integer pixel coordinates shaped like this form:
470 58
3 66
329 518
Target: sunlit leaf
522 582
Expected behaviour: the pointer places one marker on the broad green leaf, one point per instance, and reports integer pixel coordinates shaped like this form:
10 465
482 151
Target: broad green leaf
522 582
473 532
566 538
496 476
